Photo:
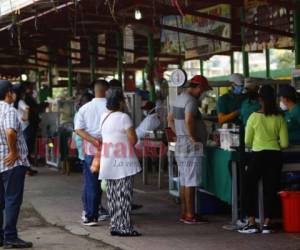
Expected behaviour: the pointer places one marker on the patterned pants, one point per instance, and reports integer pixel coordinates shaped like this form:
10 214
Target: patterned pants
119 195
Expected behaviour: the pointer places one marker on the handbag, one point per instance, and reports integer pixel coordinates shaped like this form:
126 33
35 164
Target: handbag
95 167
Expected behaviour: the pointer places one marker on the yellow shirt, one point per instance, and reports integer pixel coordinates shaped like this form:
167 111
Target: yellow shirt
266 132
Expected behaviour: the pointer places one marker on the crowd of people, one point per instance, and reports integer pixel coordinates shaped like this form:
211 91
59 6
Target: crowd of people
106 138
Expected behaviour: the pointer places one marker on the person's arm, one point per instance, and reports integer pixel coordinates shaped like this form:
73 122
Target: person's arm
283 134
171 121
223 118
190 126
13 155
10 125
80 129
249 132
132 137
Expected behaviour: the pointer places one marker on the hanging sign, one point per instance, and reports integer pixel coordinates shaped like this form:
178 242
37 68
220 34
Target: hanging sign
128 44
271 16
196 46
178 78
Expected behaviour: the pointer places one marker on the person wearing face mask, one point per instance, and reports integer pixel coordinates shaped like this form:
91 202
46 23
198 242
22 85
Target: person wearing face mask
151 121
186 121
289 104
229 105
251 103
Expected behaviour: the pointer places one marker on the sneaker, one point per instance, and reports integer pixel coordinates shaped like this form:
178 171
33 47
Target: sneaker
90 223
182 218
103 214
17 243
266 229
194 220
249 229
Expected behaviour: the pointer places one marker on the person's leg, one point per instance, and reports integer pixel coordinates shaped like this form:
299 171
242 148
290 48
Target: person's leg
124 191
182 187
111 204
271 182
2 206
190 201
91 190
182 201
14 188
252 175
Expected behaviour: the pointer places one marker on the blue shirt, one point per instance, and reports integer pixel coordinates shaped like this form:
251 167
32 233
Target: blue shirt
247 108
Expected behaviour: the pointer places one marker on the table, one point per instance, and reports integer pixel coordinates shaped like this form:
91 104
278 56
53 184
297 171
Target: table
154 144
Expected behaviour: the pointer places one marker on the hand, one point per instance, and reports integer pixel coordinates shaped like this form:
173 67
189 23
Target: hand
96 142
11 158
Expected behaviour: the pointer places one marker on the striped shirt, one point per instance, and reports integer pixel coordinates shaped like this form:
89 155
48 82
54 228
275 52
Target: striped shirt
9 120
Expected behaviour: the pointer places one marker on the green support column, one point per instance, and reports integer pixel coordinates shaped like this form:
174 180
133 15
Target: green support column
297 32
245 53
93 56
144 80
151 65
119 56
70 71
50 66
268 69
232 63
201 67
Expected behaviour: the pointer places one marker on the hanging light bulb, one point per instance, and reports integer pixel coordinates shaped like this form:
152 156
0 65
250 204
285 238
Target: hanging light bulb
138 14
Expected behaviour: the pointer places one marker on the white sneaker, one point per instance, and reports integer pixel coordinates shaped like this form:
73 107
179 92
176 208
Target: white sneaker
103 214
249 229
90 223
83 218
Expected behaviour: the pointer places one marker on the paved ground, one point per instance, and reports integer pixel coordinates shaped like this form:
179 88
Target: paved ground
57 199
47 237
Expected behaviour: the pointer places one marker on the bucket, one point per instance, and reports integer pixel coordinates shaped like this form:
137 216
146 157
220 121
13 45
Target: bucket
291 211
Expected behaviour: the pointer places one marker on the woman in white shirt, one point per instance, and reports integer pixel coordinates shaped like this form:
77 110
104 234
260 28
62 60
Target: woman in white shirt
118 163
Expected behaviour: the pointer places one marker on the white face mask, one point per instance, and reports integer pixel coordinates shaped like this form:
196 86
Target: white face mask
145 113
283 106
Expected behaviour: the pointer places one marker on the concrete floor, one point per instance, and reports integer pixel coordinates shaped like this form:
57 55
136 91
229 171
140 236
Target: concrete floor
57 199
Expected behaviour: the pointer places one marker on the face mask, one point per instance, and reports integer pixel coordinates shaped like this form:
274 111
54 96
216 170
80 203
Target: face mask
283 106
145 113
237 90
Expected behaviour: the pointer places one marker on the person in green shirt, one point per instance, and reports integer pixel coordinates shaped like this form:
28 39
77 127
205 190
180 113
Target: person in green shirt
289 104
266 134
251 103
228 105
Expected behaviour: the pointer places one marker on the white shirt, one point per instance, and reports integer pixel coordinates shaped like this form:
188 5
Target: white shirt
150 123
88 119
118 159
23 110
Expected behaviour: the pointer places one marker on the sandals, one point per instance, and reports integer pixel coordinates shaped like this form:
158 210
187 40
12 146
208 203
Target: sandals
131 234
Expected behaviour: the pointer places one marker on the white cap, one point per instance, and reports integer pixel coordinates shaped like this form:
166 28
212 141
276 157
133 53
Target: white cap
251 83
237 79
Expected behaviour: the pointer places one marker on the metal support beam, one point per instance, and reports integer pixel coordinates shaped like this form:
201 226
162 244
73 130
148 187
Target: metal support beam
268 65
50 67
70 71
297 31
93 57
201 67
119 56
151 65
232 63
245 53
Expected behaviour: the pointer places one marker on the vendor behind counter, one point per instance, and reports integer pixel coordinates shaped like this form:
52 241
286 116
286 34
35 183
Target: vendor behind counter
229 105
289 103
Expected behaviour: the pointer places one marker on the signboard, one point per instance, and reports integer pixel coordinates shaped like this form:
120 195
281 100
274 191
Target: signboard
195 46
269 16
9 6
128 41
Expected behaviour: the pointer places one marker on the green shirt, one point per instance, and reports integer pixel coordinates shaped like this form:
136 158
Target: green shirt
247 108
266 132
229 103
292 119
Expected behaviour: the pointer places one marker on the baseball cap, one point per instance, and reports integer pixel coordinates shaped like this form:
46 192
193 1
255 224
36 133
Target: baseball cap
288 91
200 80
5 86
237 79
